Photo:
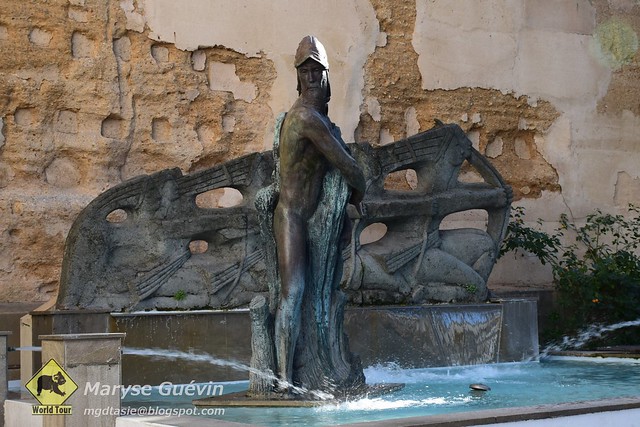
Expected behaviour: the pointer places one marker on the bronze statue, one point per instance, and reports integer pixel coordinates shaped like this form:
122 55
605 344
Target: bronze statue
308 147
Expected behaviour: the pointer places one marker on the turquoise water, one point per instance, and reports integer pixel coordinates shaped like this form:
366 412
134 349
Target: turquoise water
446 390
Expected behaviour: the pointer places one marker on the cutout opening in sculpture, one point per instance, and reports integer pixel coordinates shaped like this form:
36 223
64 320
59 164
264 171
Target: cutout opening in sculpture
469 175
475 216
117 216
198 247
404 180
373 233
225 197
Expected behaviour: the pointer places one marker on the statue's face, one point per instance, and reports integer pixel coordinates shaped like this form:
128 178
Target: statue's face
313 78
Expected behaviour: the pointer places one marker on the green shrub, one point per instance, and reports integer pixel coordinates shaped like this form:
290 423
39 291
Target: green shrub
597 278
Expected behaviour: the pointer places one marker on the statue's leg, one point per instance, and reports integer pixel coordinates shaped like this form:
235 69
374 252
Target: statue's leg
290 232
484 264
473 247
440 266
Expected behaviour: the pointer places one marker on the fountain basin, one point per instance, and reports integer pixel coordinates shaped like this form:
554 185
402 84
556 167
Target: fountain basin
611 412
548 391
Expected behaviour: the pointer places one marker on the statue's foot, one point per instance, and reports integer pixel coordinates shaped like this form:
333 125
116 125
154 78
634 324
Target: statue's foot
285 393
281 387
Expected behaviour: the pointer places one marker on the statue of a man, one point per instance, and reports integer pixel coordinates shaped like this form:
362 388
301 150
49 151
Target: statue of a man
308 148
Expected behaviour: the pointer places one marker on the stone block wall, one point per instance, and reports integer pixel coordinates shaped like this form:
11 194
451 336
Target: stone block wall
95 92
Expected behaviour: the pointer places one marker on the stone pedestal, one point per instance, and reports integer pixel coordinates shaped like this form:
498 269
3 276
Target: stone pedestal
26 357
90 360
4 377
46 322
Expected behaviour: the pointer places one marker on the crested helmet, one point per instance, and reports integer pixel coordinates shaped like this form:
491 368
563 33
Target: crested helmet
310 47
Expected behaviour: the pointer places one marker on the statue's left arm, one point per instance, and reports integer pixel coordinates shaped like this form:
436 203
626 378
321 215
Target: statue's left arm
319 132
493 193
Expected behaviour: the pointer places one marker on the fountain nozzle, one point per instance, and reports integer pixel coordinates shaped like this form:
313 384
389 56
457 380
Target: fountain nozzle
479 387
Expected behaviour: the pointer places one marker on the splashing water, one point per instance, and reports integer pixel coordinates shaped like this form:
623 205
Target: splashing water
584 336
177 354
207 358
434 391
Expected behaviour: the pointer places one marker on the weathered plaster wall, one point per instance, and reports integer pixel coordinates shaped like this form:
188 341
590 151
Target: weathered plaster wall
93 93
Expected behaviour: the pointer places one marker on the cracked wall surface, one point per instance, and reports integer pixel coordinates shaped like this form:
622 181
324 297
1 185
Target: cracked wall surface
95 92
503 126
86 103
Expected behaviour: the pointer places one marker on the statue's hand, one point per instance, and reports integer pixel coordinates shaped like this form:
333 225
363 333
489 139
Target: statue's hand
356 197
356 211
356 200
501 196
506 196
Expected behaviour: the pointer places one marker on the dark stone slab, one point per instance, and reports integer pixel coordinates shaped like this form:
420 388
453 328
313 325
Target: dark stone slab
426 336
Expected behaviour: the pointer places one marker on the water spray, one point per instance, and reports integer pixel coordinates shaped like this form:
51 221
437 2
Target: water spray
586 335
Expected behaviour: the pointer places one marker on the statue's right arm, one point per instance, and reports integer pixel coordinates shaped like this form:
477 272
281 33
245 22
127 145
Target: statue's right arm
318 131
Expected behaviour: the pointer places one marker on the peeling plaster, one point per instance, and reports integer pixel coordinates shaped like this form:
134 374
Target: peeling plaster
411 119
494 148
385 137
373 107
499 50
275 29
135 19
522 149
627 189
484 114
223 77
474 137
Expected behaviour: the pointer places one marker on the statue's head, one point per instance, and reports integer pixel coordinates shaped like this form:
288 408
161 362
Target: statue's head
311 57
456 150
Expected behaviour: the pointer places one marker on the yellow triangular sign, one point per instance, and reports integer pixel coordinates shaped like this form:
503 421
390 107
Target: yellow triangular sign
51 385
